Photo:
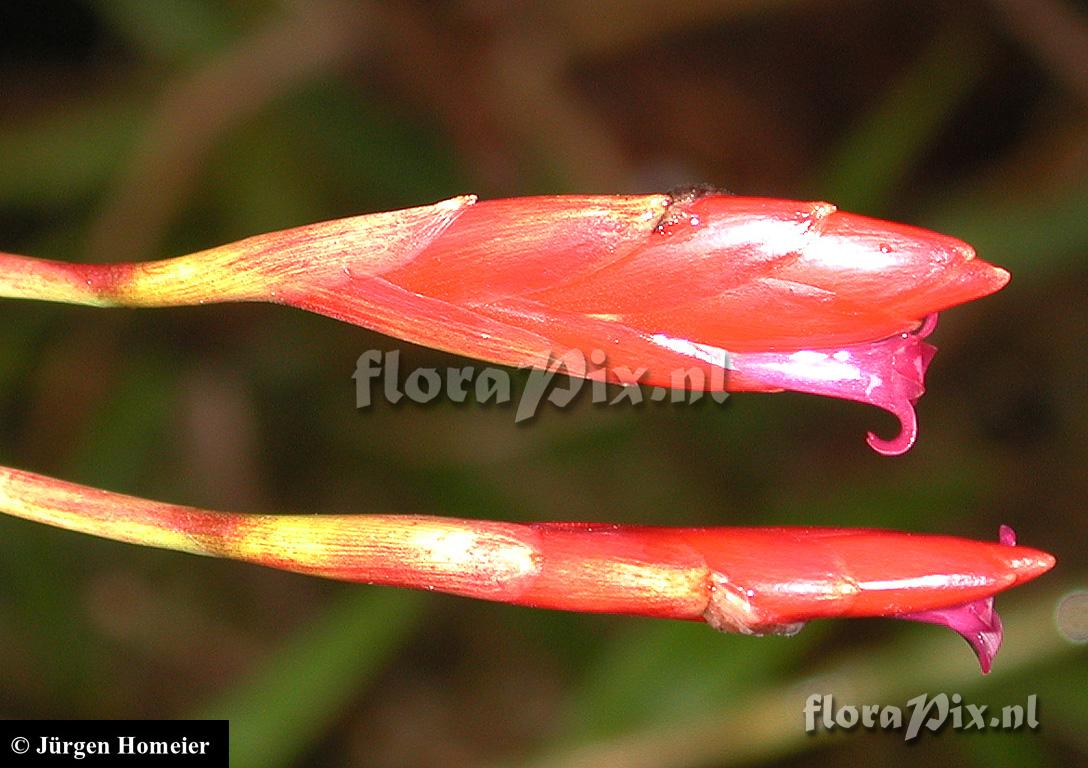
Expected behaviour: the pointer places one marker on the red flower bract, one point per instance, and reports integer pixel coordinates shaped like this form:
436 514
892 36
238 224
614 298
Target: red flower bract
785 294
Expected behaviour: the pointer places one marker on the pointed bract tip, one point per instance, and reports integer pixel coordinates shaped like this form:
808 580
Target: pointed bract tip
1025 563
986 277
1032 563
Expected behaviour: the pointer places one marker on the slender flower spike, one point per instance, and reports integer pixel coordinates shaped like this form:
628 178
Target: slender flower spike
748 580
785 295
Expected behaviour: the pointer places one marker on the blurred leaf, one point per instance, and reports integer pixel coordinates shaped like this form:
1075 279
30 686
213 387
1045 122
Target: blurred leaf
1063 699
876 156
363 149
662 672
294 696
260 181
19 345
1036 235
128 426
997 749
68 154
894 499
174 30
768 723
323 149
41 573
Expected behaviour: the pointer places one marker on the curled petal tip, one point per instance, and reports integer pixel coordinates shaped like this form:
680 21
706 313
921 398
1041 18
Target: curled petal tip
908 432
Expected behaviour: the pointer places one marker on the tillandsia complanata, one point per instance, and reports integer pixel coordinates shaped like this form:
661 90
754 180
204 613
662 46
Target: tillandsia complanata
783 295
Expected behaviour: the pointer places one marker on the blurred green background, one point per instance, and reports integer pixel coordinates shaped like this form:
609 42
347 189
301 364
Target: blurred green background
137 130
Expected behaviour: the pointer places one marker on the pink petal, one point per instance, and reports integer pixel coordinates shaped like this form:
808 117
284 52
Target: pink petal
889 374
977 622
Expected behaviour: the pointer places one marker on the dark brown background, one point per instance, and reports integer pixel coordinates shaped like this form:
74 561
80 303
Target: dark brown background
133 130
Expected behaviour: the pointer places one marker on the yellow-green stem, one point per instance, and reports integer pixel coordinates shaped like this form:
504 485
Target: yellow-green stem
207 276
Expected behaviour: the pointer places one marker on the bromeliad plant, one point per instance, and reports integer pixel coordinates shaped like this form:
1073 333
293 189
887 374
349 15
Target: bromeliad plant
784 295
